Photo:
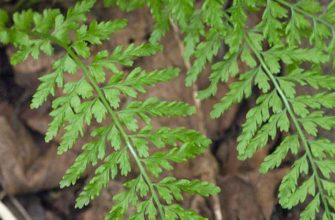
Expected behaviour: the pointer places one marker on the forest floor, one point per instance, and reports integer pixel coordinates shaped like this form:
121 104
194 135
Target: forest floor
30 169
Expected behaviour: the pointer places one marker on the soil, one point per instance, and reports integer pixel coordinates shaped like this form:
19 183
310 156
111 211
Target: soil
30 169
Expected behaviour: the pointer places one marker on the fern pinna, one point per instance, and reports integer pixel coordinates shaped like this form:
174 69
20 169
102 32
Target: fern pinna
97 96
289 46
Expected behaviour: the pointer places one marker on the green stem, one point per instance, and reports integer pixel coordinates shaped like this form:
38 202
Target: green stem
114 116
295 122
307 14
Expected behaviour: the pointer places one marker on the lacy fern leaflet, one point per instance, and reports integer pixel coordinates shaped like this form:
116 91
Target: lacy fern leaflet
96 96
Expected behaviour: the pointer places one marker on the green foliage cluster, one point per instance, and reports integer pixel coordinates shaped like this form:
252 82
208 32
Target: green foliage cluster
122 136
290 46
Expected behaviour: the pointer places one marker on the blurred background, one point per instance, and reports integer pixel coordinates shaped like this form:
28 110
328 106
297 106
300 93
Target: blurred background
30 169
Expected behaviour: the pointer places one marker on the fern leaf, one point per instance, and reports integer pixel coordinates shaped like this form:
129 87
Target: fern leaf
290 143
93 97
237 91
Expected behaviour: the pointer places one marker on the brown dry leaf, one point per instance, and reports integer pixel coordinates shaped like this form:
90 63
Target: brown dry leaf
261 189
230 164
266 188
239 199
37 120
25 167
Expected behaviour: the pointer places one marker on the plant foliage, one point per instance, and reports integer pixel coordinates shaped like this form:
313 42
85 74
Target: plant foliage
288 47
119 142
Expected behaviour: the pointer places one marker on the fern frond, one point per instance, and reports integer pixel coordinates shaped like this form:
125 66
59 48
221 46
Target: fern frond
276 60
276 72
92 97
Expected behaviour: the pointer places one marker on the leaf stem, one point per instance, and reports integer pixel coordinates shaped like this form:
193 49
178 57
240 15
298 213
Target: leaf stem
114 116
319 19
296 124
